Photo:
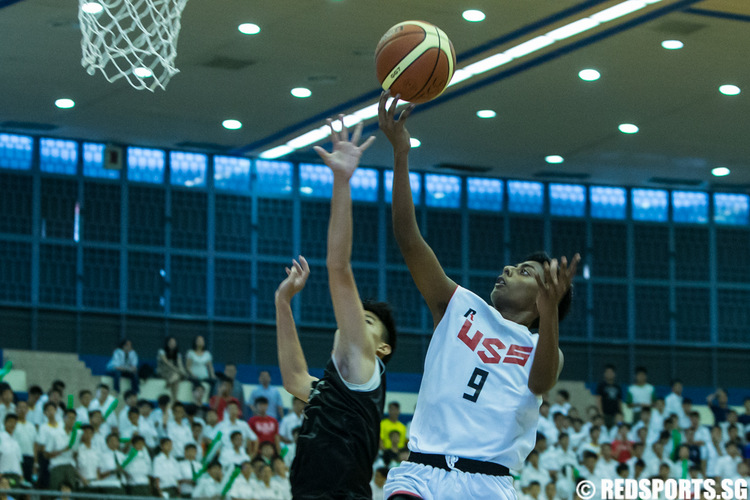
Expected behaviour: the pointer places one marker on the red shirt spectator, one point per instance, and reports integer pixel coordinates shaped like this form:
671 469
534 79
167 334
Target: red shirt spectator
222 399
266 427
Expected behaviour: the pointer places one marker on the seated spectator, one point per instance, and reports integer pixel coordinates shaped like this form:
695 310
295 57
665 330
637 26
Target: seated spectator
200 363
266 452
130 427
36 412
291 448
264 426
233 423
718 402
84 399
197 430
169 365
588 471
532 491
124 363
606 466
189 469
54 441
101 430
275 407
701 434
146 428
532 472
102 401
281 477
131 401
591 444
622 447
11 458
165 471
266 489
639 448
211 428
550 491
162 407
687 409
233 455
178 430
562 403
223 398
139 469
377 483
25 435
291 420
726 466
55 397
392 423
109 470
198 401
655 456
230 374
210 484
7 401
244 486
682 463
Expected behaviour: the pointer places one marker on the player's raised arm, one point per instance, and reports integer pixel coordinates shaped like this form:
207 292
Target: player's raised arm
297 381
354 351
434 285
548 358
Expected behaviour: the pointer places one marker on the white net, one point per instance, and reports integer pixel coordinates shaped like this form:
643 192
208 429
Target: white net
135 39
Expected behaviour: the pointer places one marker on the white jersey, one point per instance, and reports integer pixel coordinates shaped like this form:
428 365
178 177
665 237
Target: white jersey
474 401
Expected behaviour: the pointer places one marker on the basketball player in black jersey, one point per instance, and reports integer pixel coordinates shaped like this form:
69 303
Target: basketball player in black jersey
339 436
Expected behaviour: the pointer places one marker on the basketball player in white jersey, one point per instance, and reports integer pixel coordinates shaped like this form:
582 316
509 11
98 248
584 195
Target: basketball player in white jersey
478 404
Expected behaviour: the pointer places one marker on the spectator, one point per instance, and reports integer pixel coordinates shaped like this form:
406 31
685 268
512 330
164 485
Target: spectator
390 424
102 402
230 374
244 485
84 400
291 420
550 491
266 489
673 401
532 491
7 401
562 403
109 470
378 481
25 435
146 428
291 448
588 471
233 423
265 426
101 430
139 469
718 402
275 408
169 365
684 419
177 430
131 401
35 412
681 468
266 452
641 393
198 401
211 428
87 460
165 471
606 466
124 363
4 485
54 396
593 445
545 425
11 458
223 398
731 421
210 484
714 450
235 454
54 443
639 448
622 447
644 422
744 419
533 472
726 466
196 428
200 364
701 433
281 477
129 428
162 407
189 468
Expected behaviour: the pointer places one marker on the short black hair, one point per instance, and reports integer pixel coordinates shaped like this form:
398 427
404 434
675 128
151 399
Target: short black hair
163 400
129 393
190 445
563 307
610 366
145 402
136 439
89 427
384 312
261 399
81 393
640 369
394 403
48 403
35 390
11 416
564 393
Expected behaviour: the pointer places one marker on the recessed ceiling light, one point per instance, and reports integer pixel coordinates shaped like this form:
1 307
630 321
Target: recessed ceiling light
473 15
554 159
65 103
729 89
720 171
232 124
301 92
628 128
142 72
672 44
92 7
249 29
486 113
589 75
415 143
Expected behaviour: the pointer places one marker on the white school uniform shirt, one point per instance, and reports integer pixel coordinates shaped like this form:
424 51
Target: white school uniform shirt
180 434
227 428
148 431
108 461
230 458
673 404
285 487
87 461
139 469
100 438
556 408
207 487
56 439
166 469
82 414
4 410
111 421
270 492
530 473
186 472
474 401
25 435
726 467
606 469
290 421
10 455
243 488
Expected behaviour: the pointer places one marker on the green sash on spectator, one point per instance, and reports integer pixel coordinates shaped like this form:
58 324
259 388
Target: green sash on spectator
130 457
211 449
111 409
6 369
676 440
235 473
70 401
73 433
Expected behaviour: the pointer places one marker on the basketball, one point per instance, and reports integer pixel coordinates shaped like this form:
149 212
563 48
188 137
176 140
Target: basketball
416 60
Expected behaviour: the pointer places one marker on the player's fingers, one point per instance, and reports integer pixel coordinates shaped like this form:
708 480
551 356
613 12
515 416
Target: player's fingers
288 271
357 133
405 113
367 143
553 271
305 265
334 134
321 152
394 105
574 265
539 282
344 131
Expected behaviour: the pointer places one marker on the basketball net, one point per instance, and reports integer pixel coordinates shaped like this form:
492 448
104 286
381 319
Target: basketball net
135 39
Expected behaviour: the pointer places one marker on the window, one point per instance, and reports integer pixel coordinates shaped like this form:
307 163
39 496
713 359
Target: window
146 165
93 162
525 197
567 200
607 202
443 190
58 157
690 206
315 180
16 151
485 194
187 169
731 208
273 177
365 184
232 174
414 180
650 205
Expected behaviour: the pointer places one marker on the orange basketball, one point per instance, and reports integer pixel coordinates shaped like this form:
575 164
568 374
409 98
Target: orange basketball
415 59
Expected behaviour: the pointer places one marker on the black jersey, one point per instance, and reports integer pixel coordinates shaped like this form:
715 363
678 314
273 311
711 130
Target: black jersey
338 441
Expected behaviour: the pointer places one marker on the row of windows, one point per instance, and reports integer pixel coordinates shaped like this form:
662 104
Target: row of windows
316 181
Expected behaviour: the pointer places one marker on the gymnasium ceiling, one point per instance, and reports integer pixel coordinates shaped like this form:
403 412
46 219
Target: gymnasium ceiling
687 126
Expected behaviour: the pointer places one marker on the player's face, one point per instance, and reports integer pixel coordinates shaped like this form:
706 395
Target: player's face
516 287
376 331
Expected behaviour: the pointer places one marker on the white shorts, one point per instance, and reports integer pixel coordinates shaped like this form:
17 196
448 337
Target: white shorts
430 483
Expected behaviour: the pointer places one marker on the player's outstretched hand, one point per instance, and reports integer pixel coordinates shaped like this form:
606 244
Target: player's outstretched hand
295 279
557 281
393 128
344 158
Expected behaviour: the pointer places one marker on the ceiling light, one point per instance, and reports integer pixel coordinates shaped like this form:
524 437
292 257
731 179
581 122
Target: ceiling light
249 29
92 7
619 10
232 124
573 28
276 152
415 143
301 92
589 75
729 89
473 16
486 113
628 128
554 159
720 171
672 44
532 45
65 103
142 72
